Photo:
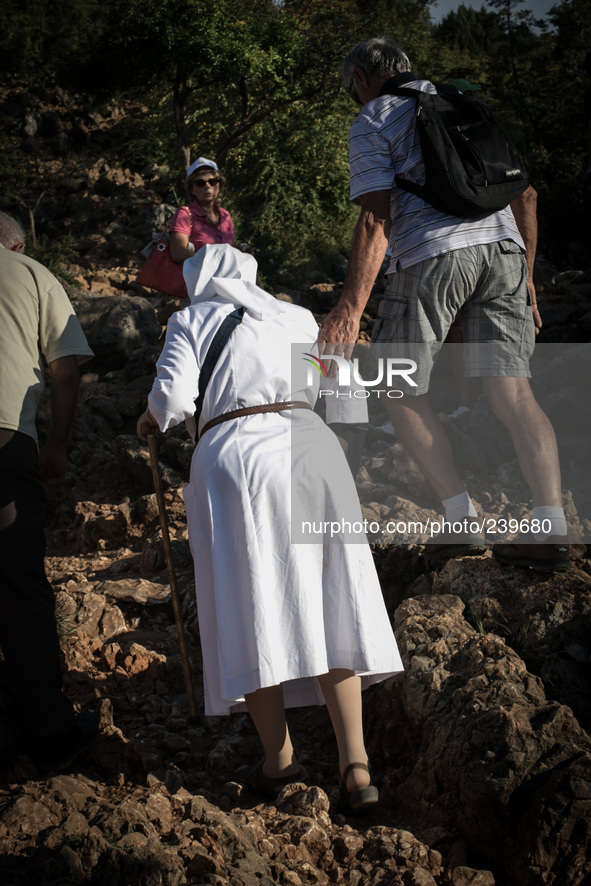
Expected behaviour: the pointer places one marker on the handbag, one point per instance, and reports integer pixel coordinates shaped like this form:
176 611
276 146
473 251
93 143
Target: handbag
160 271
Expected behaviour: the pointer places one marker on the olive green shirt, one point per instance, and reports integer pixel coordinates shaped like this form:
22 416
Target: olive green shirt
37 326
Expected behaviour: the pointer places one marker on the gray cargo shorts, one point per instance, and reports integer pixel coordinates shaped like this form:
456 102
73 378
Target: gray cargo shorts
485 285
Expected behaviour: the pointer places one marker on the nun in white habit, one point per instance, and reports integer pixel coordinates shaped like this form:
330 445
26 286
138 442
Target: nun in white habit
282 624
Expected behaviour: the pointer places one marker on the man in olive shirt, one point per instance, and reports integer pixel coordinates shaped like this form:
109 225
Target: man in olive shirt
38 329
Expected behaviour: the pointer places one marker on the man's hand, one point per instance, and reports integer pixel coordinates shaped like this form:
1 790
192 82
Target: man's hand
534 306
53 463
146 425
339 332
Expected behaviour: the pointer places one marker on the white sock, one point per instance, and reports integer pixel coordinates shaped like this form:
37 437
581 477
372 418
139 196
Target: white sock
459 507
552 518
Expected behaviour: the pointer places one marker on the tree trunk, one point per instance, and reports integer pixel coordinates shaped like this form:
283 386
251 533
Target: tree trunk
181 92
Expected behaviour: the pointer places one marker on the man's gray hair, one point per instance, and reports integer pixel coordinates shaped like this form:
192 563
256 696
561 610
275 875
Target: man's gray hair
12 232
380 55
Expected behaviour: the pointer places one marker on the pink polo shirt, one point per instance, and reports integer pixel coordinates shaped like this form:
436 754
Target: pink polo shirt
193 221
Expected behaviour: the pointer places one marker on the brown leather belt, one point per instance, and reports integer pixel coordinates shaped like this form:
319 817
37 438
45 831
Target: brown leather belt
254 410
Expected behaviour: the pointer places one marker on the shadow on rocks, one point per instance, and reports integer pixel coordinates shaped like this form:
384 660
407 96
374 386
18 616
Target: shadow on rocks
471 743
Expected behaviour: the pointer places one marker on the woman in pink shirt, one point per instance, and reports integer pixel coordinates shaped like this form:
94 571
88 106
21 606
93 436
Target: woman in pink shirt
204 220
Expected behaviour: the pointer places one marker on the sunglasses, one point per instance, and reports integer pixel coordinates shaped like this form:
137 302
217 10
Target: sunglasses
202 182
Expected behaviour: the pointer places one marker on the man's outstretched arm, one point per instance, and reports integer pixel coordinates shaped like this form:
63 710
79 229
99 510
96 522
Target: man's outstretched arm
370 241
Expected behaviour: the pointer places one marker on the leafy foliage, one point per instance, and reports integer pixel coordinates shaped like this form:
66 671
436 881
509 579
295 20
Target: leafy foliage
55 256
12 171
41 37
254 84
532 77
476 32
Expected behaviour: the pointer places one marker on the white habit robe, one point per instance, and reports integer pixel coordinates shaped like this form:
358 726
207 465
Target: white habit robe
270 611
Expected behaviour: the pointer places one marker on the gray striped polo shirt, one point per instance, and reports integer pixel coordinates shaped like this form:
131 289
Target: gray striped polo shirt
383 143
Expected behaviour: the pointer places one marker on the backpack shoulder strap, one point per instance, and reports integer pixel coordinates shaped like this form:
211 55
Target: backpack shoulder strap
407 92
422 191
216 347
404 91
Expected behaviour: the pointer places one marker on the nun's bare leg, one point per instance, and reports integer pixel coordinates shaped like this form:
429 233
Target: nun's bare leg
267 710
342 692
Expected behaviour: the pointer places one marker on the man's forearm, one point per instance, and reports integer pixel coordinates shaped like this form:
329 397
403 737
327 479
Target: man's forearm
525 213
370 242
65 380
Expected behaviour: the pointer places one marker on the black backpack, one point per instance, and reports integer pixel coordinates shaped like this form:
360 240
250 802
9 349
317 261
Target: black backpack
471 165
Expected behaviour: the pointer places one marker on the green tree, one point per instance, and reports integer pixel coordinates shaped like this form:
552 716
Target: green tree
559 86
252 83
476 31
41 38
228 61
255 85
240 62
465 44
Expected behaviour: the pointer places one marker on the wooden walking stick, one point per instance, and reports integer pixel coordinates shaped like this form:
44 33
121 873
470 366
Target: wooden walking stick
176 599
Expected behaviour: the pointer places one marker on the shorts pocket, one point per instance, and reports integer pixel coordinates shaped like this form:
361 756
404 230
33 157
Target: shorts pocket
392 309
509 247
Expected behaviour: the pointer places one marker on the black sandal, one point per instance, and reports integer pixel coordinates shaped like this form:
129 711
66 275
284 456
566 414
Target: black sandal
359 799
256 782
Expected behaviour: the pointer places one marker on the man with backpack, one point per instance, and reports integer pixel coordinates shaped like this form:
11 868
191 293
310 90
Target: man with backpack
462 239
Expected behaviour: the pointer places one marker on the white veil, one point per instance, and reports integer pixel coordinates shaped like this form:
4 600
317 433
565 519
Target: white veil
219 271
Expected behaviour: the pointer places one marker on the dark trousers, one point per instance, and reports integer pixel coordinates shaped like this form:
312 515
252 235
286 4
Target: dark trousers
28 634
